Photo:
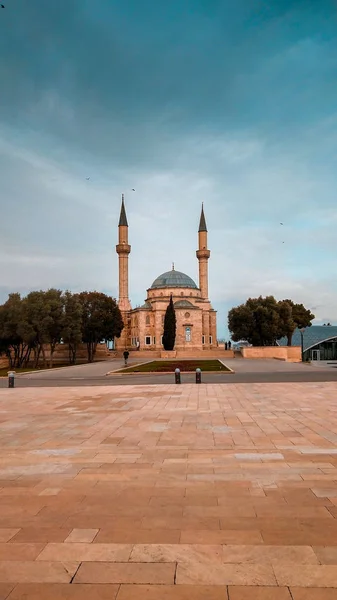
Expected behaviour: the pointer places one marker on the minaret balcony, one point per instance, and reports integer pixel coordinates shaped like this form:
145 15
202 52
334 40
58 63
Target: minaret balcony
123 248
204 253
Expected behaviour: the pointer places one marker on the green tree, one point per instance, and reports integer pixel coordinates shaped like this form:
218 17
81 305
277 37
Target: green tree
53 320
72 324
33 328
13 343
101 320
241 323
170 326
301 317
263 321
44 318
260 321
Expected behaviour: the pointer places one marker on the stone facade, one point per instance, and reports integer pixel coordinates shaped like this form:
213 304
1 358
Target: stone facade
143 326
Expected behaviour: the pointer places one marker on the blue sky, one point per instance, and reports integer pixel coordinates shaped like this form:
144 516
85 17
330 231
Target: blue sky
233 104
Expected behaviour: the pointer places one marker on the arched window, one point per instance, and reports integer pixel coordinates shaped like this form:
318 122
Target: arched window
147 320
187 334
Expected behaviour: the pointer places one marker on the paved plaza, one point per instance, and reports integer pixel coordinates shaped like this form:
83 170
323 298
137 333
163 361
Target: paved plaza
164 492
245 371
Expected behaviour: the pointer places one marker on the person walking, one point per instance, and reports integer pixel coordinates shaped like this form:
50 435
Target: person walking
126 356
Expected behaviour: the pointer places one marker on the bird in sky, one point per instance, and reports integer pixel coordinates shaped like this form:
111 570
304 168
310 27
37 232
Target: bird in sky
87 178
133 190
281 223
2 5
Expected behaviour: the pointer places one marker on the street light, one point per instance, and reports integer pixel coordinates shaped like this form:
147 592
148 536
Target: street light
302 330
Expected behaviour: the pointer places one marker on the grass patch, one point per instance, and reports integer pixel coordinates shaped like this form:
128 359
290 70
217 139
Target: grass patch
169 366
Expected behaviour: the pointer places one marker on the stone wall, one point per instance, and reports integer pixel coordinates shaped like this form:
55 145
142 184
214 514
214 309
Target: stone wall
206 354
286 353
294 353
61 355
168 354
164 354
140 354
4 362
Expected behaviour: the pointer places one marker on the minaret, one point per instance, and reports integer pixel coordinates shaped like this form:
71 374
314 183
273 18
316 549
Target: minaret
123 250
203 255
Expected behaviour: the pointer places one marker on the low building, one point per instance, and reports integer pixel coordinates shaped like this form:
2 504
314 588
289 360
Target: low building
319 342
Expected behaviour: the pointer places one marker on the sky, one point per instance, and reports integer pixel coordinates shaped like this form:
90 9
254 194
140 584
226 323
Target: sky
230 103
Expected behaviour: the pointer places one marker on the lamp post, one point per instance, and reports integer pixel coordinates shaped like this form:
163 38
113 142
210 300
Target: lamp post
302 330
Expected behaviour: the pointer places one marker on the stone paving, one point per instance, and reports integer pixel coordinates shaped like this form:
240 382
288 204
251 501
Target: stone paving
215 492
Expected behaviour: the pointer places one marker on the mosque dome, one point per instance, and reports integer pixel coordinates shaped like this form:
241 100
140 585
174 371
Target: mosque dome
173 279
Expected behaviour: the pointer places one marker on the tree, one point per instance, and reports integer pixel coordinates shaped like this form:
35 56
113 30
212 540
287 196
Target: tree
53 320
13 343
301 317
72 324
263 321
33 329
170 326
44 316
260 321
241 323
101 320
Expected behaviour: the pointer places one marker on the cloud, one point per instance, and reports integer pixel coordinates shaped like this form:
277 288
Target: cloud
235 108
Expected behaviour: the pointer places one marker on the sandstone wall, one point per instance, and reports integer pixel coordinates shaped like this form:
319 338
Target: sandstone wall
202 354
61 355
3 362
289 354
206 354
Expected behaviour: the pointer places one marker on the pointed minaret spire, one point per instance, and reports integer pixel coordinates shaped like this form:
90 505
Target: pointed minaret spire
202 224
123 222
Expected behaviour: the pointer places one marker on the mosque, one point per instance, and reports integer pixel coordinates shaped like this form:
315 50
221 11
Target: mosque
143 326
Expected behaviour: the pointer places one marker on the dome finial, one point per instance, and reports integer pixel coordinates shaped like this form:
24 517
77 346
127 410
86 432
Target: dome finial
173 266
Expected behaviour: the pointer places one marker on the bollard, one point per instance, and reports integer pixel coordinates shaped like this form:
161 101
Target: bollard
198 376
11 376
177 376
